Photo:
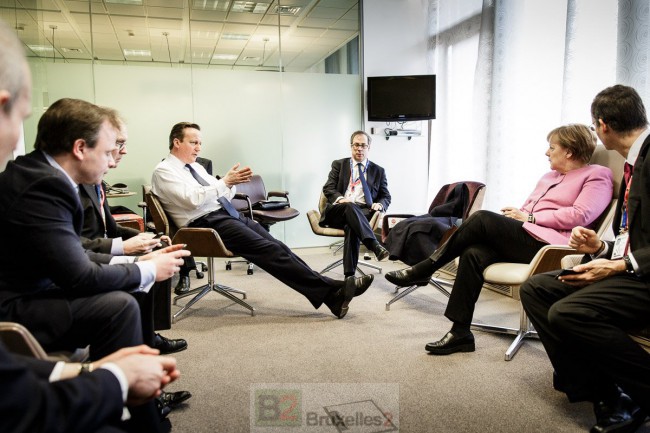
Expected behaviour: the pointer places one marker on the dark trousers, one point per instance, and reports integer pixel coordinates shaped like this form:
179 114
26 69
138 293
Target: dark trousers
250 240
353 220
483 239
584 332
107 322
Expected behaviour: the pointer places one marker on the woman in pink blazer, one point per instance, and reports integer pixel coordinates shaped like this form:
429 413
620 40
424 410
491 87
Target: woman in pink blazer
573 194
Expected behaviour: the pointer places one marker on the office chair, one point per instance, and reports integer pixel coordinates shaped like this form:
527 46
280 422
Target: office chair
202 242
20 341
253 200
476 194
314 217
547 259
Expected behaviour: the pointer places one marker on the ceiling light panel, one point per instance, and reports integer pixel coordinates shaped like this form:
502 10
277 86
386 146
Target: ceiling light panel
229 57
249 7
136 53
211 5
235 36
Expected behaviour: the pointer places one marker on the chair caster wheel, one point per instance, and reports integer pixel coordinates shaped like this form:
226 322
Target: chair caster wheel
228 266
199 275
249 272
204 267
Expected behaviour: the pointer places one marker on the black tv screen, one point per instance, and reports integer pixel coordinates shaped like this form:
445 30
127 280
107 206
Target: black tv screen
402 98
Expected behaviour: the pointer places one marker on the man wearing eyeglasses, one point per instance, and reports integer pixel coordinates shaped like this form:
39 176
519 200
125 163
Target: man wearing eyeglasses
101 233
355 189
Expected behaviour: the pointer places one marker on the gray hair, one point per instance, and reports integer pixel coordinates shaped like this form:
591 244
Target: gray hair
12 64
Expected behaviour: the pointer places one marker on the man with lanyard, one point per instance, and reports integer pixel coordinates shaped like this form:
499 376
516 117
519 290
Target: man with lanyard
355 189
583 319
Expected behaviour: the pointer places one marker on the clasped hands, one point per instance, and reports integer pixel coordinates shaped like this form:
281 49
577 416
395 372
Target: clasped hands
375 206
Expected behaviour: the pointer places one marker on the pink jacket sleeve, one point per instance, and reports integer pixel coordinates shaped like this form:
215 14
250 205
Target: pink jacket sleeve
561 202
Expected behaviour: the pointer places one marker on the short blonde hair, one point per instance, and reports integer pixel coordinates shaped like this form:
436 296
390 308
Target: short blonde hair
577 139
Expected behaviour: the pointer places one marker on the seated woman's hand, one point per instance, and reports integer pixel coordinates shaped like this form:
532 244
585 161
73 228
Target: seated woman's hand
514 213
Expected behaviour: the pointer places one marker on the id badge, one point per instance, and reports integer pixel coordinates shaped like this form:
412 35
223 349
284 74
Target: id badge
620 245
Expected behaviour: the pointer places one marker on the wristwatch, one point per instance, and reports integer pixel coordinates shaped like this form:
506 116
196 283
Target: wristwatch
86 367
629 267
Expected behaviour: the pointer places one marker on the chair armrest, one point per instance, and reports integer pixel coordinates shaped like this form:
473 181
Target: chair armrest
202 242
20 341
548 258
283 194
242 196
142 205
571 260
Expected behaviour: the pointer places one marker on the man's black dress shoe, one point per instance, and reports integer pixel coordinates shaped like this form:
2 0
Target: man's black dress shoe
183 285
381 253
619 416
166 401
451 343
361 284
167 345
407 277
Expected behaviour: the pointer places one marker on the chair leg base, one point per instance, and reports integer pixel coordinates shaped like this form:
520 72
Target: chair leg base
520 335
359 264
207 288
438 284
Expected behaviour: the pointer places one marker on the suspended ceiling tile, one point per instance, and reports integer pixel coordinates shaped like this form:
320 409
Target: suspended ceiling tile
167 24
207 15
120 9
180 4
345 25
317 22
339 34
308 32
325 12
77 6
272 20
127 23
158 12
244 17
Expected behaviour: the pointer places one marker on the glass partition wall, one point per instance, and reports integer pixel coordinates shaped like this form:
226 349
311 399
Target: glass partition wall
274 85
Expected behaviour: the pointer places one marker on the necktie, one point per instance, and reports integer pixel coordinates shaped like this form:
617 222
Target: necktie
364 185
627 172
223 201
101 198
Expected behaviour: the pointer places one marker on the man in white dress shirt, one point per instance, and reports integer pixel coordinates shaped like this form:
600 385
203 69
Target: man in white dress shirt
193 198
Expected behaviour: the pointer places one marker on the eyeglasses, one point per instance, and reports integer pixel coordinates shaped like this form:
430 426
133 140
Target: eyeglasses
120 144
359 146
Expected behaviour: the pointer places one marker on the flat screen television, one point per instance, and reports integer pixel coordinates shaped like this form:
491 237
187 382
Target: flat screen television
401 98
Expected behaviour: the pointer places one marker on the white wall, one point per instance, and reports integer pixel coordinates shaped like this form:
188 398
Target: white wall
395 43
287 127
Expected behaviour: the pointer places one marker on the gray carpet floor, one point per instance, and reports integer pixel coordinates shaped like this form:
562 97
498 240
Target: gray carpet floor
289 366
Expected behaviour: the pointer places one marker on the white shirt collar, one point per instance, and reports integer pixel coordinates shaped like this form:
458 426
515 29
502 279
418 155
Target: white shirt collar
56 165
636 147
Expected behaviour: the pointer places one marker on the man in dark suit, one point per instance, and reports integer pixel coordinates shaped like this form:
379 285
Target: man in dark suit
355 189
47 280
29 403
193 198
45 396
583 320
102 234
